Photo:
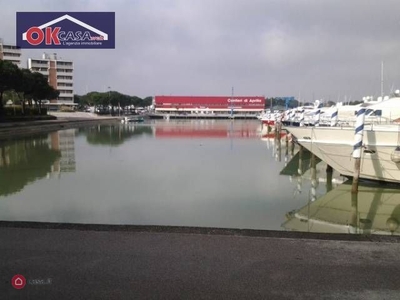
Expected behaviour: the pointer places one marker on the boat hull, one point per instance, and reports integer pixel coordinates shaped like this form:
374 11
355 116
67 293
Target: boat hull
334 145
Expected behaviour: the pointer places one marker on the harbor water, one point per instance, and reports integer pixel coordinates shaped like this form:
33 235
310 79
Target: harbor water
206 173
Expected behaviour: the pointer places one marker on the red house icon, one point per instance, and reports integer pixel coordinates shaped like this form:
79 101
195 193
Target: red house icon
18 282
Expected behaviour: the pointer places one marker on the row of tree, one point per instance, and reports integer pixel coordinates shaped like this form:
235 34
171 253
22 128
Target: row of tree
112 98
26 85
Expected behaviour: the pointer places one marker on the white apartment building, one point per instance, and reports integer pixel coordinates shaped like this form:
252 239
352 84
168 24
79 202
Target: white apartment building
60 74
10 53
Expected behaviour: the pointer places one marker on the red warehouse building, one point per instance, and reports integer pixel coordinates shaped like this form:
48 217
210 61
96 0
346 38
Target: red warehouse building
209 104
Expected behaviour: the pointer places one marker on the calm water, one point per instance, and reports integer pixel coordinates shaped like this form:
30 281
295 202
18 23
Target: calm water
205 173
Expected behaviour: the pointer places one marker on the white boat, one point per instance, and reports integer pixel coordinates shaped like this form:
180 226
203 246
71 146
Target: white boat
384 110
294 114
380 158
132 119
305 113
270 118
381 143
376 210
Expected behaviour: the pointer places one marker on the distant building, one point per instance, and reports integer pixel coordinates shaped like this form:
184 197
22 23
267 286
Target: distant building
10 53
209 104
60 74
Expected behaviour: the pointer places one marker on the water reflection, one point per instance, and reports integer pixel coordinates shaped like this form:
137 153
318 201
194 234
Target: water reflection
113 135
184 173
206 129
299 163
63 142
373 210
27 160
276 141
160 173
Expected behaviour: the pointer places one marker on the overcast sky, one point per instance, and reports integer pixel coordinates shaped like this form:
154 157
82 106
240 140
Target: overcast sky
326 49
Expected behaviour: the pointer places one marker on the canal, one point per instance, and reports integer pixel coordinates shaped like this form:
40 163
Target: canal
207 173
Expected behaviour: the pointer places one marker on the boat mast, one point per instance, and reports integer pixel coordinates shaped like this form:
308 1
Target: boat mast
382 79
232 103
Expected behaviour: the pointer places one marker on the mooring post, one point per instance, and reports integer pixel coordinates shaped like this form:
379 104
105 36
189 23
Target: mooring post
292 147
354 217
329 172
278 126
301 121
358 140
287 140
334 117
300 170
286 147
314 181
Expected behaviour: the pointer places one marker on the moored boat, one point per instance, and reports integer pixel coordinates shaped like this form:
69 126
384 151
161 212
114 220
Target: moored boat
132 119
380 155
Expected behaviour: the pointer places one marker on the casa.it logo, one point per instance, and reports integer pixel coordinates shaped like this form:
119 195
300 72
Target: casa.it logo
18 282
66 30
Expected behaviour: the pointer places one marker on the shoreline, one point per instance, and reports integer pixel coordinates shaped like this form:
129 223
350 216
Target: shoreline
210 231
14 130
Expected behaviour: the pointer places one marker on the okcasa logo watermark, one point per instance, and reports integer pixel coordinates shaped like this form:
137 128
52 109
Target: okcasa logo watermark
66 30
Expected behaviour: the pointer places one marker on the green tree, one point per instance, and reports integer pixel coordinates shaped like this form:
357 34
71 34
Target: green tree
147 101
82 101
114 135
42 90
10 77
10 95
25 87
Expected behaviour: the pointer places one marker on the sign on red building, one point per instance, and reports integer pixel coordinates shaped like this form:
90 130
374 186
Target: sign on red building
242 103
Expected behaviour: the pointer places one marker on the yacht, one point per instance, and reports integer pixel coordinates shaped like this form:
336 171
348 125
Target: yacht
380 158
381 142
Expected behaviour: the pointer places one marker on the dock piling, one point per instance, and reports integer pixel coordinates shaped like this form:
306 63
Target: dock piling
329 172
358 140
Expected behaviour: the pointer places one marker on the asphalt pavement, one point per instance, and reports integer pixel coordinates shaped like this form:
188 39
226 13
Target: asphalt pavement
101 264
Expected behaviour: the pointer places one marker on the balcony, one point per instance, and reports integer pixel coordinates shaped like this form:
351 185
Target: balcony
12 50
38 66
66 66
62 87
64 72
15 60
44 71
65 94
11 54
63 80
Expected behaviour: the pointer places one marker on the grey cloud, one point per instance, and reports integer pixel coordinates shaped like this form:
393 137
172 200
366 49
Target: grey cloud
273 48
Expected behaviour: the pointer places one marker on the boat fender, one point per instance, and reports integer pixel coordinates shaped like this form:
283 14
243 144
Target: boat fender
395 156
